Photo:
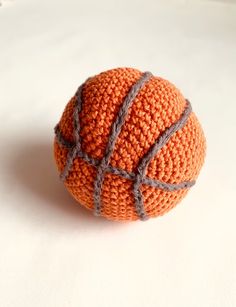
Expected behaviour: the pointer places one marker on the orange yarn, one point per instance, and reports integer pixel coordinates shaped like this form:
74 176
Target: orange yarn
157 106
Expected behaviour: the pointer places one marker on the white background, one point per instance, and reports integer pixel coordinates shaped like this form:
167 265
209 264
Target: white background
54 253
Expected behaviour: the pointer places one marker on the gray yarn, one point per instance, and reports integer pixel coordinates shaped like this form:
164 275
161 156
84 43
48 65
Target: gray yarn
123 173
103 165
60 139
73 152
115 131
160 142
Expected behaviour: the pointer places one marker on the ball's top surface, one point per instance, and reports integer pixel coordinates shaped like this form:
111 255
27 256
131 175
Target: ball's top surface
122 115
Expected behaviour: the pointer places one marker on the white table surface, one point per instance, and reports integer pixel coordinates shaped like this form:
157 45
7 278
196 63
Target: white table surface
54 253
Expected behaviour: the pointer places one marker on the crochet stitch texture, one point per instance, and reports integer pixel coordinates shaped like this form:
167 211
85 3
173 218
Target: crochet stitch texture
128 145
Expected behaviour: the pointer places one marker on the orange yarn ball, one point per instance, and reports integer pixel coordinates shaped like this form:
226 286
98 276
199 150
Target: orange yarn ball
128 145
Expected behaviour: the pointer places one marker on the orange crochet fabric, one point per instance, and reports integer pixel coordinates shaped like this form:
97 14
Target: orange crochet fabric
154 157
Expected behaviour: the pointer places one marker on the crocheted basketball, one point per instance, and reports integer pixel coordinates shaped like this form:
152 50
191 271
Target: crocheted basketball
128 145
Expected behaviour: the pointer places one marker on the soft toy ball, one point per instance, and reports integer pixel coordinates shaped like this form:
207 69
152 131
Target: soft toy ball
128 145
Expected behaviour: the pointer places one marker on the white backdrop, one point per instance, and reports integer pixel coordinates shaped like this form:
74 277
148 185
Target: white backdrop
54 253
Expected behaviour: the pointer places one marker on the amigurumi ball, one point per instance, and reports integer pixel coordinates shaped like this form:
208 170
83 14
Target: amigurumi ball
128 145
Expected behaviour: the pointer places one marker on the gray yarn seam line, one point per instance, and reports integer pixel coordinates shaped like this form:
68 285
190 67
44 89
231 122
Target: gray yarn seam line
103 165
77 145
115 131
154 149
120 172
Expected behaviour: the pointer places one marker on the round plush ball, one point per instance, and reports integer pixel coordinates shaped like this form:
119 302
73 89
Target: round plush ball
128 145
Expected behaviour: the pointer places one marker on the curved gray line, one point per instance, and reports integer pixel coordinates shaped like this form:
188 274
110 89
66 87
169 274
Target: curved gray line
165 136
138 197
120 172
159 143
115 131
167 186
61 140
69 162
77 110
77 146
150 181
